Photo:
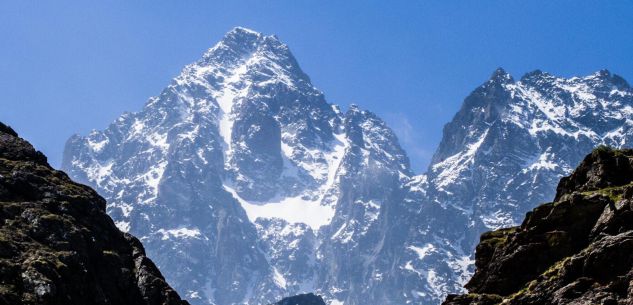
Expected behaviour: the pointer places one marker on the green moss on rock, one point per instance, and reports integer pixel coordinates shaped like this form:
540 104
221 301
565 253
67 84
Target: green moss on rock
575 250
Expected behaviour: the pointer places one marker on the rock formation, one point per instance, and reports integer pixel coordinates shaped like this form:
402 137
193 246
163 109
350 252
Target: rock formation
58 246
575 250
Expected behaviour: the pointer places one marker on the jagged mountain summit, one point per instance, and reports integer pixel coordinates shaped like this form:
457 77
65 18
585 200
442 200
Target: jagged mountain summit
58 246
575 250
245 184
512 140
502 155
242 181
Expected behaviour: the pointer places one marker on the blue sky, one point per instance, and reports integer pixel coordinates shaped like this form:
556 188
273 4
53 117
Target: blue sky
71 66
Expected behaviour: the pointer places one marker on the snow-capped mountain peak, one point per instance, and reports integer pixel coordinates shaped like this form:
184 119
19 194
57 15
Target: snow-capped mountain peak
530 128
500 76
238 165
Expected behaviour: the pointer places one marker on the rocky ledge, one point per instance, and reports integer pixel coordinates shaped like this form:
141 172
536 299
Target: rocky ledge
58 246
575 250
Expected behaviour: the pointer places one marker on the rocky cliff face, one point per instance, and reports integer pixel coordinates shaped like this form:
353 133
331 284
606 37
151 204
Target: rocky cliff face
575 250
58 246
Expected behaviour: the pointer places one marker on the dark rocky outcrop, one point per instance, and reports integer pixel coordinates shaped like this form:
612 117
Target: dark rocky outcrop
575 250
302 299
58 246
603 168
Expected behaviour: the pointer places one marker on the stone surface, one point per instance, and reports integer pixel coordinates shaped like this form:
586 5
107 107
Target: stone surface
58 246
575 250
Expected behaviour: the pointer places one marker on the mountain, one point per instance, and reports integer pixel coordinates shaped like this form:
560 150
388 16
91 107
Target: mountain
501 156
245 184
512 140
58 246
575 250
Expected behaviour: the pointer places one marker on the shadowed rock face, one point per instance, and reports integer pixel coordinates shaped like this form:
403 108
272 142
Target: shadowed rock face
575 250
302 299
58 246
603 168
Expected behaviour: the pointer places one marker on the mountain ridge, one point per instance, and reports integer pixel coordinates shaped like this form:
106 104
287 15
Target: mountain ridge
242 132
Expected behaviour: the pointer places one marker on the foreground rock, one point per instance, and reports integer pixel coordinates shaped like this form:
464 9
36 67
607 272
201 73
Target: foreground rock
575 250
58 246
302 299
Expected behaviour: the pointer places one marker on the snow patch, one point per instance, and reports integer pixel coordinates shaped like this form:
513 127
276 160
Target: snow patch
498 219
98 146
424 251
543 162
450 170
290 209
181 233
279 279
124 226
153 176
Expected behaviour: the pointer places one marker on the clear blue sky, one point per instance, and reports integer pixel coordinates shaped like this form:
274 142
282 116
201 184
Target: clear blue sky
71 66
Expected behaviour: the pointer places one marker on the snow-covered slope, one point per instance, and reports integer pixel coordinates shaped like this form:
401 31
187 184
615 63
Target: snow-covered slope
245 185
